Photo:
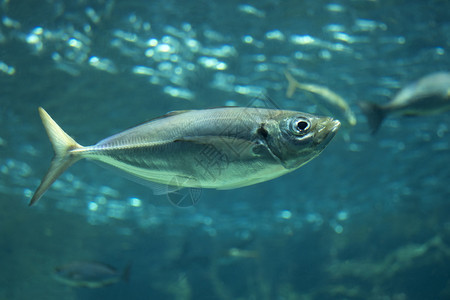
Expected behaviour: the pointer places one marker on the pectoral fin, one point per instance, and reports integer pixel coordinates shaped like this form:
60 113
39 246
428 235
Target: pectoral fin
230 146
235 148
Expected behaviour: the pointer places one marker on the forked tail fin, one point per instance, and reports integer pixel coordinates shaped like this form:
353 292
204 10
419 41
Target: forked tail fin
374 113
292 84
63 145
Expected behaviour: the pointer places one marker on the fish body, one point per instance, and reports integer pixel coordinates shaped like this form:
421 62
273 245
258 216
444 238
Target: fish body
222 148
89 274
332 99
428 96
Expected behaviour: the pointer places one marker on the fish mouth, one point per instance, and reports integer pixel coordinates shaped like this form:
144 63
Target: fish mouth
334 126
327 131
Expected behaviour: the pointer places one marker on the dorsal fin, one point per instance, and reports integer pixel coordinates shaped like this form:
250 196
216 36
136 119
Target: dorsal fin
169 114
174 113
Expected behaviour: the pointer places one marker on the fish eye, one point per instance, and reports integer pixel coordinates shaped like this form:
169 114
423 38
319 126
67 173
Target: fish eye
300 126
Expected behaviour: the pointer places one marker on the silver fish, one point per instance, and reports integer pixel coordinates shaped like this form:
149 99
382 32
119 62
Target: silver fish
427 96
332 100
221 148
89 274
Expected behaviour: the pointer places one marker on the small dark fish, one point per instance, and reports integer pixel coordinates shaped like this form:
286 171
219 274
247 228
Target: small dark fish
221 148
90 274
428 96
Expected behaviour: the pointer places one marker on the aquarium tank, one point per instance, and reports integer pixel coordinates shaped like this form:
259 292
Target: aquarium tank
368 218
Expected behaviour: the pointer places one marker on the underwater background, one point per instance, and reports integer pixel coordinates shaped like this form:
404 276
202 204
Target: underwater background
367 219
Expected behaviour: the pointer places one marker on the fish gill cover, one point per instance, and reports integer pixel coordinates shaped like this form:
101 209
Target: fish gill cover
367 219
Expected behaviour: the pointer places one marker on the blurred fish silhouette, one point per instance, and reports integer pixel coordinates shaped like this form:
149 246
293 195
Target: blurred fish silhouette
90 274
331 99
242 253
428 96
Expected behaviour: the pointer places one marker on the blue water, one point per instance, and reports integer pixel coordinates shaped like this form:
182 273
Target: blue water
367 219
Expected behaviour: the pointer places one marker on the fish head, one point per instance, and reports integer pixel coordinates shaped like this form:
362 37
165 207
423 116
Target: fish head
299 137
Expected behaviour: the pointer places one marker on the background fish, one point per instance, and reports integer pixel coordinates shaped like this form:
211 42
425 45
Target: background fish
427 96
332 99
242 253
223 148
90 274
